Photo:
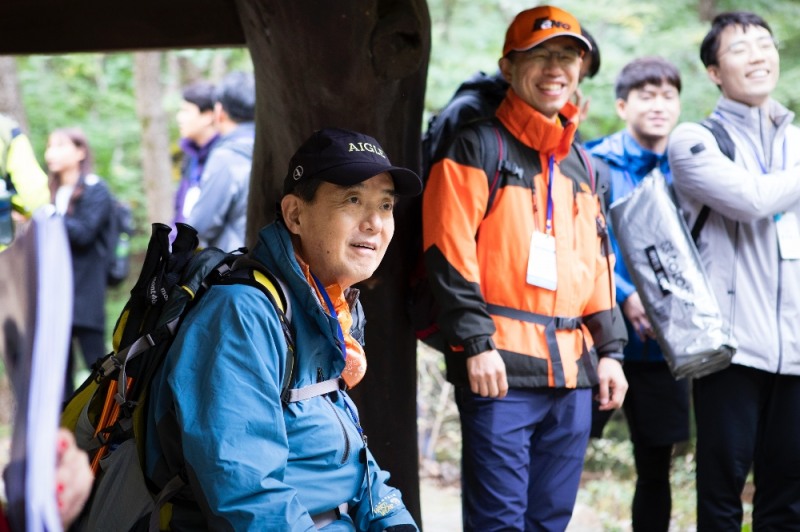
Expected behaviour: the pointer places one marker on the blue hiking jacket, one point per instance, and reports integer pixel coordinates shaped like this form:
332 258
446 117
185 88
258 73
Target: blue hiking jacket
628 164
252 462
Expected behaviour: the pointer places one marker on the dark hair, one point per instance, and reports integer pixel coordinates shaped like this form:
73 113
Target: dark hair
305 189
237 94
77 137
710 46
594 54
200 94
639 72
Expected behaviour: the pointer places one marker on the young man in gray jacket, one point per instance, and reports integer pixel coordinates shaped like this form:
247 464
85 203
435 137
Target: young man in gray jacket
747 414
220 214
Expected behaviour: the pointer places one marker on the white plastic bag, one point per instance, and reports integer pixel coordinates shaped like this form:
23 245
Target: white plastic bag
665 268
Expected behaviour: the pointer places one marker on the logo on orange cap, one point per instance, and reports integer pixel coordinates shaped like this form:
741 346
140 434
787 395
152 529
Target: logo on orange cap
534 26
546 24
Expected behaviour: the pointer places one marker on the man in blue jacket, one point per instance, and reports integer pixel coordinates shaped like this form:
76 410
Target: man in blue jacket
657 406
253 460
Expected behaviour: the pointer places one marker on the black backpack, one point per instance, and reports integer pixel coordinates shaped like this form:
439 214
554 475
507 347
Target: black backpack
117 237
475 99
108 411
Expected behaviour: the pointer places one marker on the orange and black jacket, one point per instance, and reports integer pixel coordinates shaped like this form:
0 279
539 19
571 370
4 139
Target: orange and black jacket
477 259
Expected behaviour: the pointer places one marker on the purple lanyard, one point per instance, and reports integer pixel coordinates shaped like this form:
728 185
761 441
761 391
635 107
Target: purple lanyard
363 453
549 222
332 310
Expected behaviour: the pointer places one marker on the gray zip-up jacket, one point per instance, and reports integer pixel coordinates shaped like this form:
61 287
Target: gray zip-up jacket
220 214
758 292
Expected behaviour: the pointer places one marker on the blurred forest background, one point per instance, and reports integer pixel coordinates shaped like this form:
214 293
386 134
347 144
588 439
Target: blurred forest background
126 102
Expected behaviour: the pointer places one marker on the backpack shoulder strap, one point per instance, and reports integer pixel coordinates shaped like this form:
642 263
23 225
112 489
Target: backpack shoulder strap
728 148
603 181
246 270
721 135
495 158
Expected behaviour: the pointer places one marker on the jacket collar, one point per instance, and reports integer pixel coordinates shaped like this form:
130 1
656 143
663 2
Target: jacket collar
276 252
532 128
192 149
749 117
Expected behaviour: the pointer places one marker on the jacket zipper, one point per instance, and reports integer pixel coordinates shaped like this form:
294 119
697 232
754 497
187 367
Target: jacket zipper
346 454
328 401
778 313
732 289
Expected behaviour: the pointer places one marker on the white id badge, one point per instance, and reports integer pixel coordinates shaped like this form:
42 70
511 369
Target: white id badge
788 236
542 270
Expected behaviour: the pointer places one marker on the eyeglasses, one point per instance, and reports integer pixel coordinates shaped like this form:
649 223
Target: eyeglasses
764 45
542 55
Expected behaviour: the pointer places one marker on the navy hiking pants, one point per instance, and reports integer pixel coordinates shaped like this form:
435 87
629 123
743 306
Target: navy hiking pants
522 457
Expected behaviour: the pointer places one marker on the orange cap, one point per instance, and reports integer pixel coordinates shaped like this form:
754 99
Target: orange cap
534 26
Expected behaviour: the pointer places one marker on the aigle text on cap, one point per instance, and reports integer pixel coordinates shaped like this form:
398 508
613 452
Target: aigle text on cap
345 158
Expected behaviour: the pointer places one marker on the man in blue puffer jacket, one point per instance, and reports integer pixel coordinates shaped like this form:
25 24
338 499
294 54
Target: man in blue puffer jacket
253 461
657 406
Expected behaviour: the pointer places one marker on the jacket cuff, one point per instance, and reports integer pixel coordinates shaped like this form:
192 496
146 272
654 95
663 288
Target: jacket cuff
615 355
477 345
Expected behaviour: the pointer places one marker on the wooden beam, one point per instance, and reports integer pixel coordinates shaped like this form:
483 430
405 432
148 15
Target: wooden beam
60 26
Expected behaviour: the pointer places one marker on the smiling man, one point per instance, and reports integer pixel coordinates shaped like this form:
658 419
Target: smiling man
513 251
747 414
254 458
657 406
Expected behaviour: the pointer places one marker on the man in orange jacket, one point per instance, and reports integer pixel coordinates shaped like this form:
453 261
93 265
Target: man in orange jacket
518 265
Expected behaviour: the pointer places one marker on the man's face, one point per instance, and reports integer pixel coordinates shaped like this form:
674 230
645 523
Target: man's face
545 76
650 113
193 124
749 65
343 234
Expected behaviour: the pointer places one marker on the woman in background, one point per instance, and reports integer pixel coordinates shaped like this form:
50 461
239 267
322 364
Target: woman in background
84 200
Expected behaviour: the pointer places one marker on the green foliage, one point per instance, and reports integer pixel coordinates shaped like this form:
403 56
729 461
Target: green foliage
468 36
96 93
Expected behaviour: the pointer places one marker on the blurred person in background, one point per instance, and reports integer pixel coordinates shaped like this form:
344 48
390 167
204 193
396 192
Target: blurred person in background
656 406
85 202
199 135
220 212
23 184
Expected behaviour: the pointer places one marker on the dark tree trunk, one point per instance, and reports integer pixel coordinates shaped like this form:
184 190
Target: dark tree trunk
706 10
10 97
359 65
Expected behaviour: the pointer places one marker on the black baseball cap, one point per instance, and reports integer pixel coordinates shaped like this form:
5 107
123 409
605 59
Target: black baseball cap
345 158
